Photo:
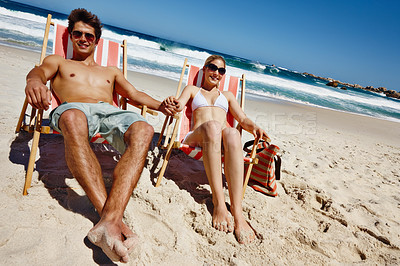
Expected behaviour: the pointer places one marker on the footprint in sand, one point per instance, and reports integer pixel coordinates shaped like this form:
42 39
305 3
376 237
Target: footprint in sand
154 231
324 226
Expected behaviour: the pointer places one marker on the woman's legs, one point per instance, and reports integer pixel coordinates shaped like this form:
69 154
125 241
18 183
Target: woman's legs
233 165
208 136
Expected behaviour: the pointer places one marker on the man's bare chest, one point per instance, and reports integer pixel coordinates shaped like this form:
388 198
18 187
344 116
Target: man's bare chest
80 74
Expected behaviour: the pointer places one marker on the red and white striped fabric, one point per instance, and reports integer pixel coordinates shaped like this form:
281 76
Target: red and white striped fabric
107 53
262 176
195 77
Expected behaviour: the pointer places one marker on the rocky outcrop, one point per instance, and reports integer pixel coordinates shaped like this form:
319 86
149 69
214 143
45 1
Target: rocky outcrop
332 84
336 83
388 93
393 94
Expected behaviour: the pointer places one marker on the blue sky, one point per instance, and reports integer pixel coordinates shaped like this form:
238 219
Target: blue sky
355 41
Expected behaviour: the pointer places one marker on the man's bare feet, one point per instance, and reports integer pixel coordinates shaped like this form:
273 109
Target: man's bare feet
131 240
243 231
222 219
108 237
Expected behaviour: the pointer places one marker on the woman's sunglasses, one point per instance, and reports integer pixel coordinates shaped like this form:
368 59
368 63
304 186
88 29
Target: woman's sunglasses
213 68
78 34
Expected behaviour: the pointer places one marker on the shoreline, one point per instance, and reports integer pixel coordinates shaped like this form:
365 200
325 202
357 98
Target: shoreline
297 113
249 95
337 198
257 98
254 97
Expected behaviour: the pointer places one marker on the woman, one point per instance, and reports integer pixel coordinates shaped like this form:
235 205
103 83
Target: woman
209 131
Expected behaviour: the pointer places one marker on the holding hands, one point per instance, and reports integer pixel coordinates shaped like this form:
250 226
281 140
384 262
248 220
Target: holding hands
171 105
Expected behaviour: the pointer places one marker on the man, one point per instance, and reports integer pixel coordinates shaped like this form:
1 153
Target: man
85 89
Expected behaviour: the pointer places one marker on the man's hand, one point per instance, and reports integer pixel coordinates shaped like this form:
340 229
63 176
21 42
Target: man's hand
167 109
171 101
170 106
38 95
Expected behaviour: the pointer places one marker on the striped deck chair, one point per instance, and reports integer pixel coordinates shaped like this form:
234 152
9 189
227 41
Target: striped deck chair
108 53
183 120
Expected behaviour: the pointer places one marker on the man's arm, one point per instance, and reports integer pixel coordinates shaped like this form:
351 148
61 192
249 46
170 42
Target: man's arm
37 93
127 90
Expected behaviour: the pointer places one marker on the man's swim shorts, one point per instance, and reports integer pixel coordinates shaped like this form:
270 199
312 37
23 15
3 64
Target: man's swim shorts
110 121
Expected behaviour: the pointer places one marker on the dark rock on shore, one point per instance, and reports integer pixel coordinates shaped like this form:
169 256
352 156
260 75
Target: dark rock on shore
388 93
332 84
393 94
336 83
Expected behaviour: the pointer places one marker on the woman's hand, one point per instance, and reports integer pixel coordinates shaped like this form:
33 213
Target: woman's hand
261 134
172 103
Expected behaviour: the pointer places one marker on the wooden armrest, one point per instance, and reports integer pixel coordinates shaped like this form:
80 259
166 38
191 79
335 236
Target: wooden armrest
152 112
30 129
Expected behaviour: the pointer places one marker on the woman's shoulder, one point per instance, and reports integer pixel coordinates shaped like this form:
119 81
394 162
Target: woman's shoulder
228 94
188 92
192 89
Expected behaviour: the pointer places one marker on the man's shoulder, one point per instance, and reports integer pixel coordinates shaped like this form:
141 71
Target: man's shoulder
54 59
112 69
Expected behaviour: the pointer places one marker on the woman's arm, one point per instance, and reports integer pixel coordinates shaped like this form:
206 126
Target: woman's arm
243 120
183 99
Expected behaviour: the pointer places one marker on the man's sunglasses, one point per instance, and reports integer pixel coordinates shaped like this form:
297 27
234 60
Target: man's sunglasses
213 68
78 34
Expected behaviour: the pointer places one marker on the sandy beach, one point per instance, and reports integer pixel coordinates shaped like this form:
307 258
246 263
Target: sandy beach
338 199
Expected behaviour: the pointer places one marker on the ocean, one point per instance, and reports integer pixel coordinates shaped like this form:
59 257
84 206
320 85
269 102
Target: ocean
23 26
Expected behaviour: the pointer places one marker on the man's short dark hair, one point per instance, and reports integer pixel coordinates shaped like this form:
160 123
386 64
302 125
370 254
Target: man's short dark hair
81 14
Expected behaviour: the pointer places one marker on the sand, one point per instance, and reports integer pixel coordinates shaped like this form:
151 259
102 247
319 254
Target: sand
338 199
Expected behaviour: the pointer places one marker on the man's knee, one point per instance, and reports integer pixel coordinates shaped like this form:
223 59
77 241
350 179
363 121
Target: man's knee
73 122
139 132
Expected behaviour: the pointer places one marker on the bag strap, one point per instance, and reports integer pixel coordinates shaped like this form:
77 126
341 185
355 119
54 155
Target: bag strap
278 162
248 144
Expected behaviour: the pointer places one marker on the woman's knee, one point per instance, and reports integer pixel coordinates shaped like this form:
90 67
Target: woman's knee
211 130
231 138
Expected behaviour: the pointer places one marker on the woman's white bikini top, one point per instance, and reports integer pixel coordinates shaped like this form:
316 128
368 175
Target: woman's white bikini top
200 101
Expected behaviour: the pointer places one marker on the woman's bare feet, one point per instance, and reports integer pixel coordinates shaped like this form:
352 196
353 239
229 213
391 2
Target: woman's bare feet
222 219
243 231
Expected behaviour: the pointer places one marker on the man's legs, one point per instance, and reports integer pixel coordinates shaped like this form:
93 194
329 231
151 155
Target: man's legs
107 233
80 158
110 232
